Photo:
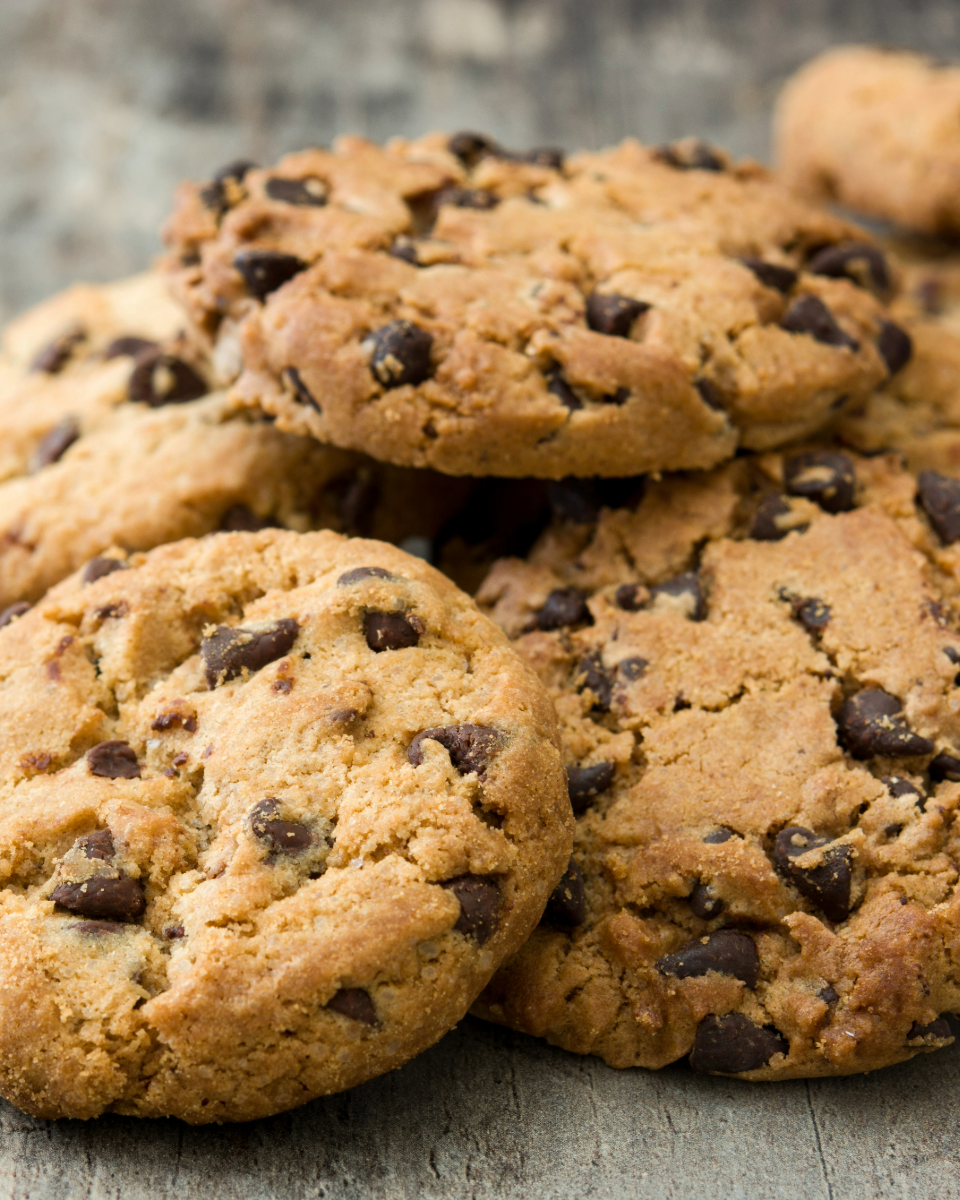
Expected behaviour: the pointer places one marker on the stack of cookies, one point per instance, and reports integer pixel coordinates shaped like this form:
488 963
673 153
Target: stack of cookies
280 803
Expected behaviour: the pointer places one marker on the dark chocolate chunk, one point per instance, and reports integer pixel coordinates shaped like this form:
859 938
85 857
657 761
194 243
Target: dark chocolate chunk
471 147
119 899
568 903
55 356
771 275
358 573
704 903
231 649
564 606
709 393
583 783
937 1031
240 519
130 346
726 951
98 844
471 747
356 1004
479 898
829 994
823 476
826 885
264 271
812 614
113 760
558 386
401 354
895 346
598 680
632 668
626 597
96 568
692 156
732 1043
56 443
861 262
283 837
950 651
808 314
12 611
872 723
392 631
462 197
765 527
159 379
307 191
719 836
944 766
939 496
300 389
896 785
612 314
686 588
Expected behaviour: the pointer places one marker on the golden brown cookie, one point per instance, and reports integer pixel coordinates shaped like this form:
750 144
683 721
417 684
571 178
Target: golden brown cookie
273 807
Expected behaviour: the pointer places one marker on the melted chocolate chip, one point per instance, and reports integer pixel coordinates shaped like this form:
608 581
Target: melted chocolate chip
939 497
119 899
471 747
826 885
392 631
264 271
98 844
56 443
771 275
300 389
944 766
130 346
896 785
765 527
632 668
861 262
461 197
719 836
583 783
829 994
479 898
356 1004
597 679
808 314
96 568
872 723
612 314
726 951
692 156
563 607
12 611
159 379
471 147
704 903
626 597
732 1043
113 760
567 905
812 614
401 354
684 589
360 573
308 191
937 1031
55 356
558 386
282 837
895 346
231 649
823 476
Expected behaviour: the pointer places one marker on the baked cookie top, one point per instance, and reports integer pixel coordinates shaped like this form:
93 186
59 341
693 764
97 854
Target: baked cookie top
444 303
877 130
756 676
273 807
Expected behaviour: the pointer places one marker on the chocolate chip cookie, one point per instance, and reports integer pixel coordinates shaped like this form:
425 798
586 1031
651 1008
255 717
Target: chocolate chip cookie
877 130
447 303
273 807
756 673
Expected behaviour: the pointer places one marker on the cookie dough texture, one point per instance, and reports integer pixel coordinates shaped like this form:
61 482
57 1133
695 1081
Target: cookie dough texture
273 808
441 303
756 676
877 130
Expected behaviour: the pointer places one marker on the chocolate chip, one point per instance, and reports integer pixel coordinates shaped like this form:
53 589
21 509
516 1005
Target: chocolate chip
308 191
231 649
940 499
895 346
401 354
692 156
98 844
709 394
159 379
12 611
359 573
613 314
170 720
954 655
96 568
896 785
826 885
812 614
113 760
391 631
56 443
174 932
240 519
808 314
471 147
130 346
264 271
471 747
719 836
461 197
479 898
828 994
558 386
765 527
300 389
726 951
872 723
823 476
771 275
860 262
563 606
568 904
626 597
356 1004
732 1043
944 766
283 837
686 589
596 678
583 783
54 357
937 1031
703 903
119 899
632 668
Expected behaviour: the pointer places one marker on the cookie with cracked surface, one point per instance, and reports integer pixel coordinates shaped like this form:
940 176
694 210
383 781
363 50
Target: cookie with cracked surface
273 807
875 129
631 310
758 697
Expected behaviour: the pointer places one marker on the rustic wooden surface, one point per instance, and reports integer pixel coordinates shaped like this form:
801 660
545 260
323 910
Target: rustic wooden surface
103 105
